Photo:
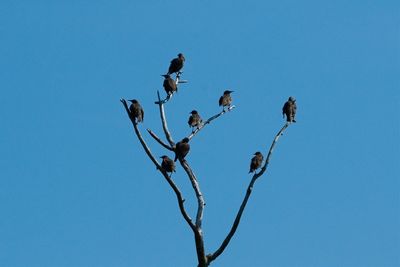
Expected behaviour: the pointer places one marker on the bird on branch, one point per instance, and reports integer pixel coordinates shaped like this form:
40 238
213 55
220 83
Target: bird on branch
167 164
289 109
176 64
256 161
169 85
194 119
182 148
225 100
136 111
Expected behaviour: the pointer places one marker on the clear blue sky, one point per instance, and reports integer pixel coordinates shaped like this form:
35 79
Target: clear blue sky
76 189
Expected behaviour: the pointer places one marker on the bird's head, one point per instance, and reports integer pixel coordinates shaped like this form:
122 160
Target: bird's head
258 153
133 101
291 98
194 112
185 140
166 76
180 55
227 92
164 157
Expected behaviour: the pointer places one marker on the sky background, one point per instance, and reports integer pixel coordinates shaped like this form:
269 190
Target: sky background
77 190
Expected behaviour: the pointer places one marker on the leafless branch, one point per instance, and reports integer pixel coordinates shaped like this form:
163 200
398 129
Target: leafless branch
164 121
196 227
198 129
159 140
213 256
196 187
158 166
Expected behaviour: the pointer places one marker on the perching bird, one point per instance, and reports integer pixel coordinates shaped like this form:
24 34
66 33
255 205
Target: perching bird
176 64
167 164
136 111
182 148
225 100
194 119
256 161
169 84
289 109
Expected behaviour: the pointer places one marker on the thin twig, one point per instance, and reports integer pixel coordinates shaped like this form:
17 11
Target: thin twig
213 256
159 140
209 121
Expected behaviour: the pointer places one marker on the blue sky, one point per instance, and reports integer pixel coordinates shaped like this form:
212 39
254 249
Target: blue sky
76 189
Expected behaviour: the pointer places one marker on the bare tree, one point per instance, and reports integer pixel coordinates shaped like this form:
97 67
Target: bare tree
195 224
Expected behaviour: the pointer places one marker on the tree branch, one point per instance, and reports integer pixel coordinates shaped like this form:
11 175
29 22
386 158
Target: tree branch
196 228
158 166
159 140
213 256
164 121
196 187
201 256
209 121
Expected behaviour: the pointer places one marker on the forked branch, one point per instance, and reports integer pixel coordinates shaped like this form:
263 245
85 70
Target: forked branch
213 256
174 187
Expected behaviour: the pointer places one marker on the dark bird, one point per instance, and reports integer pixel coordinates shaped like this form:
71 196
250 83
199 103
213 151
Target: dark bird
225 100
289 109
167 164
136 111
194 119
176 64
256 161
182 148
169 85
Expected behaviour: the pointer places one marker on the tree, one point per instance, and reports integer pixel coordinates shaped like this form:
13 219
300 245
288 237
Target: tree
203 258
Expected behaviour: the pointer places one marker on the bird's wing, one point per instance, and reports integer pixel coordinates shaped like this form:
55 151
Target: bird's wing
284 108
172 83
220 100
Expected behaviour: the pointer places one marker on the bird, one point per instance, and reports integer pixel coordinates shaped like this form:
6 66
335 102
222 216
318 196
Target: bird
194 119
169 84
289 109
182 148
136 111
176 64
256 161
225 100
167 164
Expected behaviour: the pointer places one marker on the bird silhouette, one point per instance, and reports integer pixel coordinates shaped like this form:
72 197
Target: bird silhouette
176 64
136 111
182 148
169 84
256 161
194 119
167 164
225 100
289 109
